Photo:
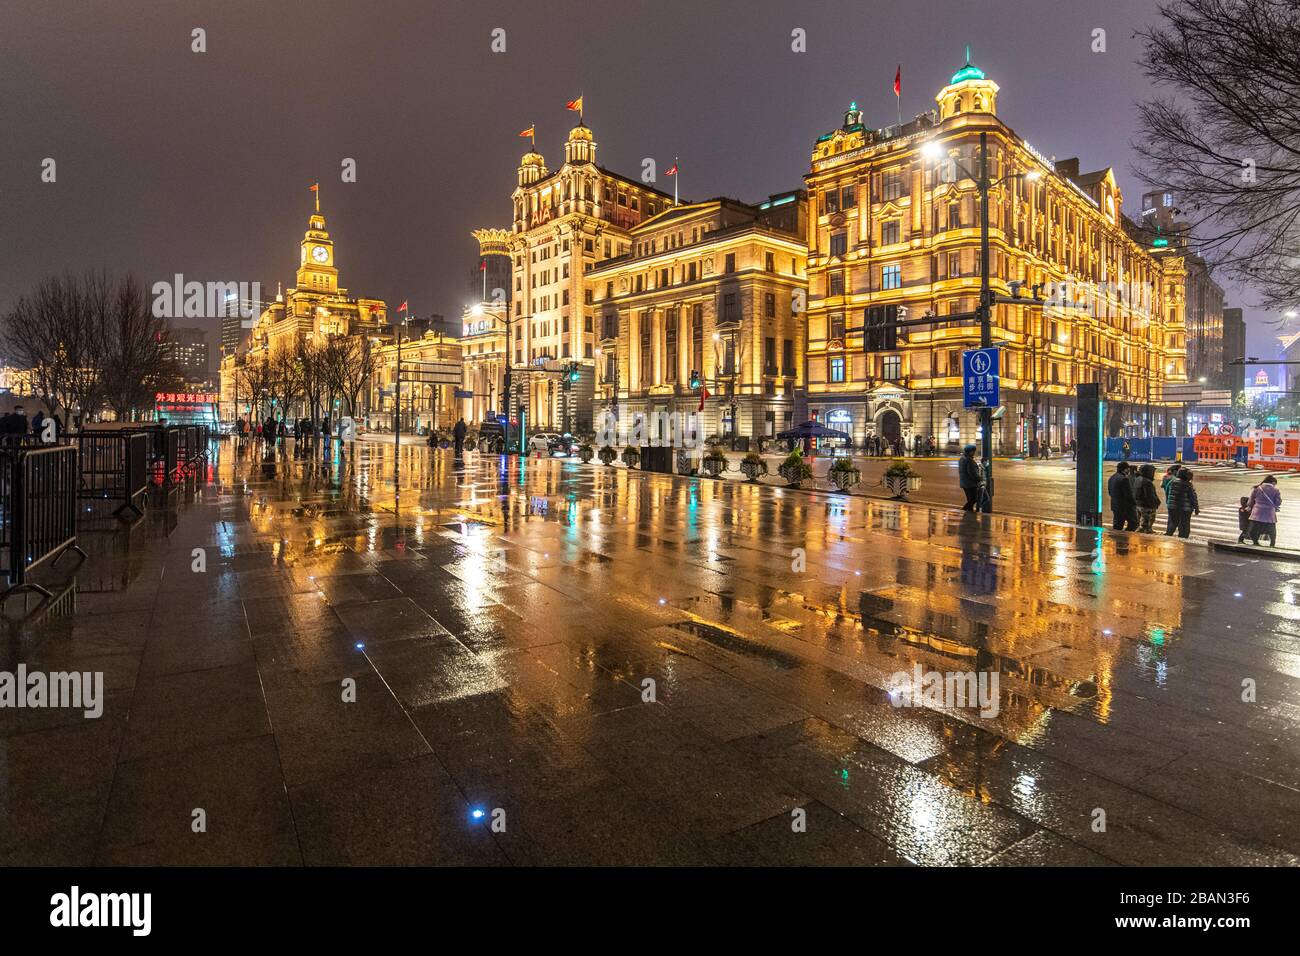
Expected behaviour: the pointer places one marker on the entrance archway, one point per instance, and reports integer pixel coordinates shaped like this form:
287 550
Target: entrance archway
890 425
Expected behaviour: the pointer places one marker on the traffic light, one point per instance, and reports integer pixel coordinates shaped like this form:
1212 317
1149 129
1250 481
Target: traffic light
573 372
695 379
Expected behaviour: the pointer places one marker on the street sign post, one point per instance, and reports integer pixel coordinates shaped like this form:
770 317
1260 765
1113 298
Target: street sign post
980 375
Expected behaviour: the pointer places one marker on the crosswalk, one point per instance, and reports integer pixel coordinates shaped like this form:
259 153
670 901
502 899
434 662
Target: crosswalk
1217 522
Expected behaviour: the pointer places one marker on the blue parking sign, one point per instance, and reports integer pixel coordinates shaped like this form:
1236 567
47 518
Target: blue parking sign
980 374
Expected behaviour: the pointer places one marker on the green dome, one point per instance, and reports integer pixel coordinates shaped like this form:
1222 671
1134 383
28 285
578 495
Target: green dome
968 72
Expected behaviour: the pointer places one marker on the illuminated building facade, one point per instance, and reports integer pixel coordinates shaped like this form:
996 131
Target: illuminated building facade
429 401
483 360
1203 297
713 291
895 234
564 223
315 310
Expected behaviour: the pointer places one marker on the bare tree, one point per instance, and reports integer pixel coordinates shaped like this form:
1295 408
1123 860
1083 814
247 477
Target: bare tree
1227 141
313 371
351 361
285 379
89 342
135 360
255 378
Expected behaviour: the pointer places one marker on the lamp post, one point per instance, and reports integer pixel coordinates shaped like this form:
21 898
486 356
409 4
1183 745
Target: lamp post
984 312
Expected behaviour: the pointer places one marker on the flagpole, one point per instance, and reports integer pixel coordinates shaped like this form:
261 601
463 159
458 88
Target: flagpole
677 174
317 192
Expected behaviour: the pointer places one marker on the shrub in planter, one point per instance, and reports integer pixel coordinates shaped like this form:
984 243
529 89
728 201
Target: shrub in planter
607 455
899 478
631 457
714 462
795 470
843 474
586 453
752 466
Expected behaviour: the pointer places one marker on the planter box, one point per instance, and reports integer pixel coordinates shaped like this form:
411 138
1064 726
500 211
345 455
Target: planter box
844 479
900 486
753 470
713 466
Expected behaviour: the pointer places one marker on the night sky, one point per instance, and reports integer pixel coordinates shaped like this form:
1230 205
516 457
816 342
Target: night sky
173 161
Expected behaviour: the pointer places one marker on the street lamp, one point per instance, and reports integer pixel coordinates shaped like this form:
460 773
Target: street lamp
934 151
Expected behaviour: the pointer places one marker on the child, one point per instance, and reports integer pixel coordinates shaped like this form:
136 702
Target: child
1243 519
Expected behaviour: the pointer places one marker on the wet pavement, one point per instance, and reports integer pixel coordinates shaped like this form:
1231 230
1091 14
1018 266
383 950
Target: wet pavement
541 662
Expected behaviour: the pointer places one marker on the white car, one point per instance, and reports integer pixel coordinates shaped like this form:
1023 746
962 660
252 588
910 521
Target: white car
543 442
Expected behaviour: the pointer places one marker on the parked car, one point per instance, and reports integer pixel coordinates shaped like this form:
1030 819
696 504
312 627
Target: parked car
565 445
541 441
552 443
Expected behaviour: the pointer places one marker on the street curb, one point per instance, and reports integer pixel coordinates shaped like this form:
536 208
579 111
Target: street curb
1274 554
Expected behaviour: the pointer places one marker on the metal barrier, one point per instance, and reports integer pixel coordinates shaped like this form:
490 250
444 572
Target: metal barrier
38 511
114 465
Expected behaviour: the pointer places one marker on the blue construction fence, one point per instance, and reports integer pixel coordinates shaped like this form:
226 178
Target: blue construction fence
1154 449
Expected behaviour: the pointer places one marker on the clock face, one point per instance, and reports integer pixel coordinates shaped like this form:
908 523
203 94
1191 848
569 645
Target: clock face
320 253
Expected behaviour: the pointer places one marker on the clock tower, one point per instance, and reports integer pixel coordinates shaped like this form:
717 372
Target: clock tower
316 272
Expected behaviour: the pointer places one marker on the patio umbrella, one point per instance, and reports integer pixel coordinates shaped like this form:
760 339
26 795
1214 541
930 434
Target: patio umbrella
810 429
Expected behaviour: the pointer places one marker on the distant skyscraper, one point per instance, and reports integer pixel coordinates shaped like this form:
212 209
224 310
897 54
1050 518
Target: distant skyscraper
188 348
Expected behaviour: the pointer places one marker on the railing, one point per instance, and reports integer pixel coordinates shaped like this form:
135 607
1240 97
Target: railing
38 511
114 465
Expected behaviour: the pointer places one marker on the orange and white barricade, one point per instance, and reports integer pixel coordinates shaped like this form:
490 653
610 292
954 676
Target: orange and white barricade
1273 449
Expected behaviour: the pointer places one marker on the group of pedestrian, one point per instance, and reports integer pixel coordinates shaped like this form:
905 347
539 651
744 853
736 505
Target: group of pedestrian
15 425
1135 503
1257 513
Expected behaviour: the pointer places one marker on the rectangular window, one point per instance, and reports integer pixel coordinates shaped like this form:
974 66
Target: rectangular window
769 304
892 185
835 325
769 262
835 283
731 262
769 356
839 243
891 277
697 338
832 200
890 232
891 368
787 357
836 369
846 198
730 309
670 345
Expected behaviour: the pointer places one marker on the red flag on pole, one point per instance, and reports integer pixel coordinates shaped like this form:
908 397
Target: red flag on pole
898 81
672 170
704 393
402 307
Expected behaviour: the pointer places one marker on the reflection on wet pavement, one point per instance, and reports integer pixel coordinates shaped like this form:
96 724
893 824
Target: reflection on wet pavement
531 661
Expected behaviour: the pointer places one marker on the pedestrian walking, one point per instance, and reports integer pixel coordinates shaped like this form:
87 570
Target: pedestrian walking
1148 500
1265 501
1123 506
458 435
969 477
1182 504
